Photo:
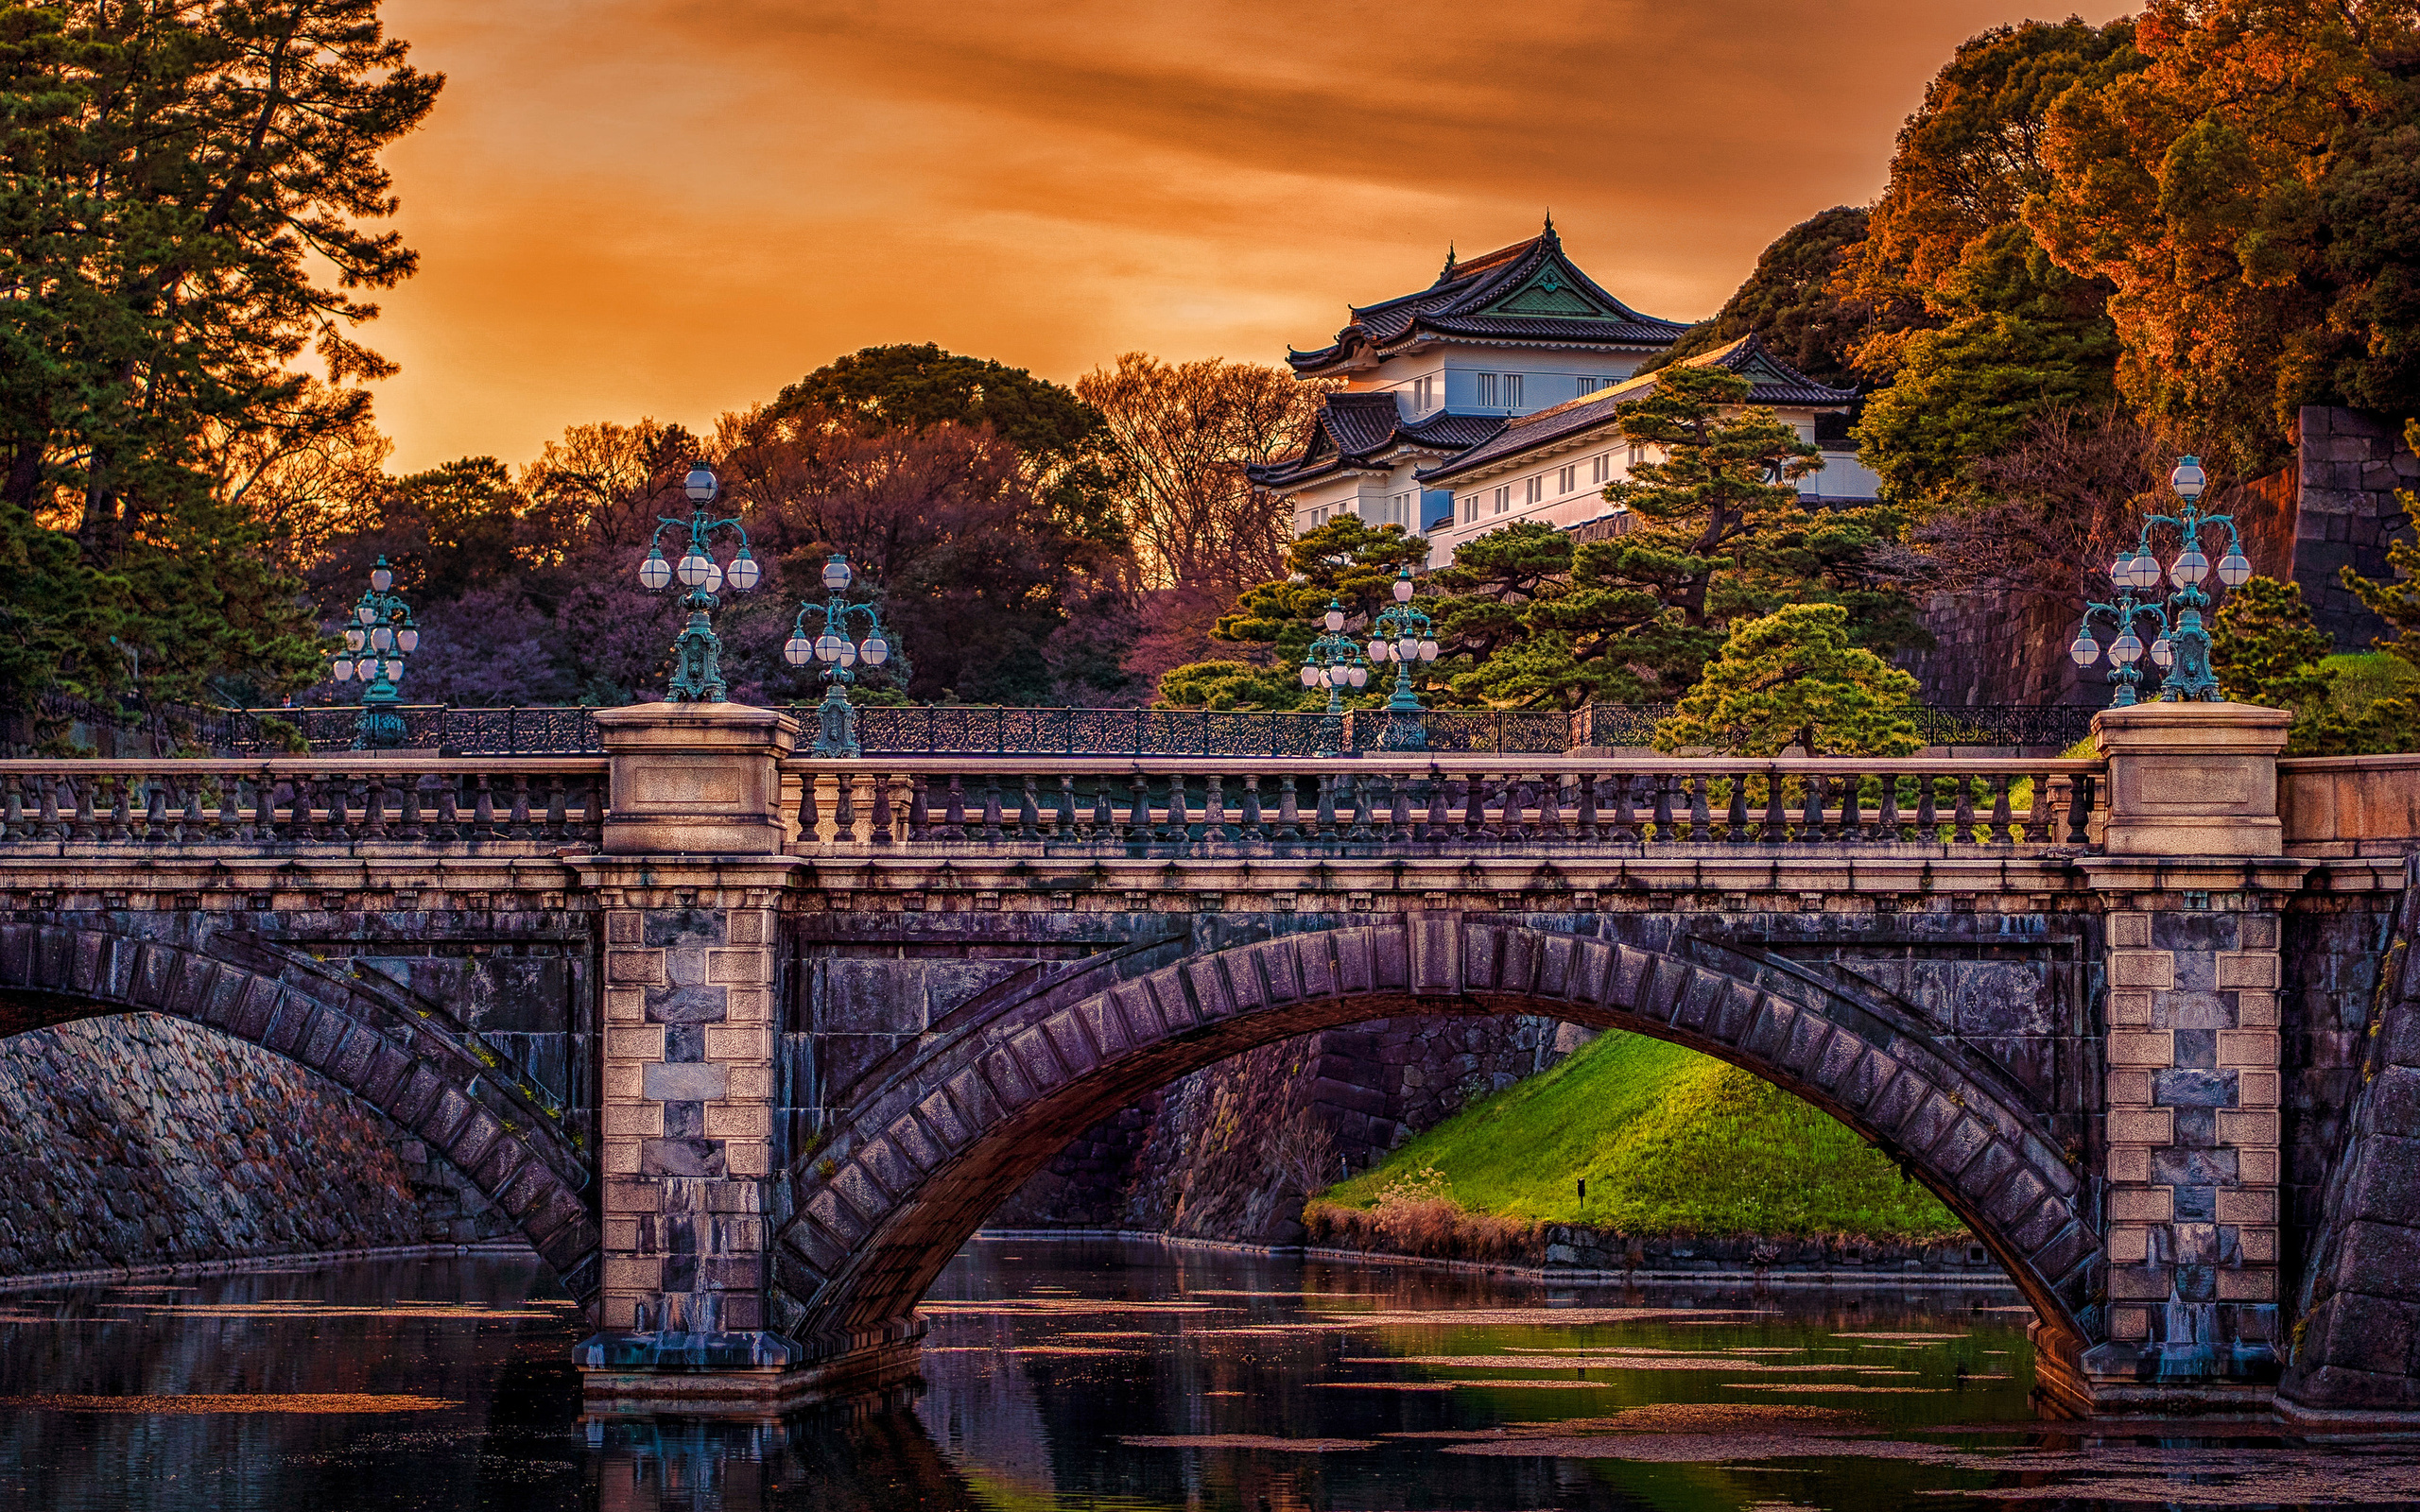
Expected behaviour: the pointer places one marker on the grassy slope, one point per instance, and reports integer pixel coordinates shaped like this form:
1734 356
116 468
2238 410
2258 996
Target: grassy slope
1670 1142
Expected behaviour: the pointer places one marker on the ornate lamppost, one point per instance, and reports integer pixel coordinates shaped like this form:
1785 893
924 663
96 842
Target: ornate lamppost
696 655
381 635
2127 649
837 735
2188 642
1334 663
1403 635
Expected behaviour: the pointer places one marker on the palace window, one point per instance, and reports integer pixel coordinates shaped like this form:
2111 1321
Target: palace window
1512 391
1399 510
1589 386
1537 488
1598 466
1638 455
1567 479
1487 389
1470 508
1423 395
1504 498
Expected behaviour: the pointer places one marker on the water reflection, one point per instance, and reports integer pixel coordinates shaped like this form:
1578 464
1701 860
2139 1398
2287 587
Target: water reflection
1069 1374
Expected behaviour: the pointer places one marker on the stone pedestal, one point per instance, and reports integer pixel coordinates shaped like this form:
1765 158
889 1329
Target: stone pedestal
2192 779
690 891
695 778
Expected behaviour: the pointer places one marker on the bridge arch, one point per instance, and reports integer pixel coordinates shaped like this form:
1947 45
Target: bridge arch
395 1052
873 1213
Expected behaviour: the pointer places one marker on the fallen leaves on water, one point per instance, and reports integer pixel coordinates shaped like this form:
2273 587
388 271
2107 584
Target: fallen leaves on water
1262 1441
311 1402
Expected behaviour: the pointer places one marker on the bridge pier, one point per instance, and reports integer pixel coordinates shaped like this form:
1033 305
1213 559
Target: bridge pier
2192 891
689 886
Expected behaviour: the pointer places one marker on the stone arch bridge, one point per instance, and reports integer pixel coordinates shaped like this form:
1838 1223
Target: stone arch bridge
748 1044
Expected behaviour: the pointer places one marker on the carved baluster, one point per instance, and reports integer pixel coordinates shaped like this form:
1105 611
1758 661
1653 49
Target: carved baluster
264 825
1775 828
1927 809
1625 820
1324 818
52 827
409 826
844 808
1253 827
1104 825
1474 797
1852 792
121 825
1811 816
2037 826
195 823
1289 813
920 813
880 831
1886 819
12 816
1062 813
1735 820
1961 829
483 809
2080 796
1137 827
954 808
374 808
1353 807
156 793
1399 811
445 822
1441 807
1029 812
521 806
1999 807
1662 783
1586 820
1214 809
558 810
1701 817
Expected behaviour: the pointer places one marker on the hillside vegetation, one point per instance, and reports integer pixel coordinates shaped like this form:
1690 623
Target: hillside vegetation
1670 1142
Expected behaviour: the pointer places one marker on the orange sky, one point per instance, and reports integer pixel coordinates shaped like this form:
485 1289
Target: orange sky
674 207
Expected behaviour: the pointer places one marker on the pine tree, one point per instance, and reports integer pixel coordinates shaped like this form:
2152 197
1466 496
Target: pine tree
1793 678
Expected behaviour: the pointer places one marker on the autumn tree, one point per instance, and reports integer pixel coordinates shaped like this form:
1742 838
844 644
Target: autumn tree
1971 329
1794 301
2248 193
1794 679
1184 432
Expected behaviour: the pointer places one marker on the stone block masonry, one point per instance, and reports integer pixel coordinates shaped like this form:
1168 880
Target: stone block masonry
144 1139
687 1111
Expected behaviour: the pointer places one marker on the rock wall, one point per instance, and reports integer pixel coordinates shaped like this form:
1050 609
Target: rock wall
1231 1152
142 1140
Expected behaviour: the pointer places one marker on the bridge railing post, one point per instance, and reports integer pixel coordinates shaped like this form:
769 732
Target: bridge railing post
2192 887
689 885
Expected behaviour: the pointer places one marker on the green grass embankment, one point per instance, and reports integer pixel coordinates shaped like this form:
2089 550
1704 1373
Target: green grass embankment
1670 1142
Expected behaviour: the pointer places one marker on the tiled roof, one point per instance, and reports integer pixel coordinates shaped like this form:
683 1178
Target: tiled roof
1476 301
1776 383
1357 430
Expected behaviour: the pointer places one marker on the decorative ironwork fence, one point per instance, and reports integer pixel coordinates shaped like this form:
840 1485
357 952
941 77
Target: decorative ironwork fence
979 732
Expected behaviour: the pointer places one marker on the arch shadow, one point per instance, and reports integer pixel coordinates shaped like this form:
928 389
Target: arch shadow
394 1050
944 1135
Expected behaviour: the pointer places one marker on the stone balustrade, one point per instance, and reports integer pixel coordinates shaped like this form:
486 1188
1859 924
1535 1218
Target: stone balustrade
1422 803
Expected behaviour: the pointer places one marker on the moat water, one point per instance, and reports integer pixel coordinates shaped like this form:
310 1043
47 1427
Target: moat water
1113 1376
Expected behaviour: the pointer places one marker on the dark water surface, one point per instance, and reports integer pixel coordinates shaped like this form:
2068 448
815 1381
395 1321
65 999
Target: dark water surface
1066 1374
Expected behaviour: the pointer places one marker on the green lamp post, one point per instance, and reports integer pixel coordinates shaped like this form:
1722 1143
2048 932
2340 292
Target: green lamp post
837 719
1403 635
377 640
696 655
1334 662
2183 650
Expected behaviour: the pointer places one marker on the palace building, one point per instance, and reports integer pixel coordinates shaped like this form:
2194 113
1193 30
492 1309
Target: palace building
1488 397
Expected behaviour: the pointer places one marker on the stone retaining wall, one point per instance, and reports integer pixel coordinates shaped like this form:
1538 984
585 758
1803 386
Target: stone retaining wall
141 1140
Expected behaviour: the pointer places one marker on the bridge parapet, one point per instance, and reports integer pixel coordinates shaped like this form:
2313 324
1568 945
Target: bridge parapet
1422 805
493 804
